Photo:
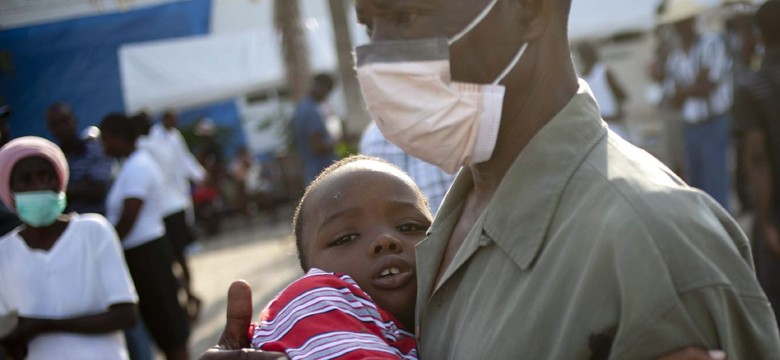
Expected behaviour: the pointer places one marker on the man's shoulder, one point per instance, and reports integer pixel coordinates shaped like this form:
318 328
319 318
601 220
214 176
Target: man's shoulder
693 237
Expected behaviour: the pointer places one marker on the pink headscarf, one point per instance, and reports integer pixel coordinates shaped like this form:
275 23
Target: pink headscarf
24 147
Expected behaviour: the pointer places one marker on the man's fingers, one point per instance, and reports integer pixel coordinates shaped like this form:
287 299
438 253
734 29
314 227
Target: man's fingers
239 315
695 353
216 353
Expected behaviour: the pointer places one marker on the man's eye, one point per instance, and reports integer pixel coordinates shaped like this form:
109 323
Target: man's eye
412 227
346 239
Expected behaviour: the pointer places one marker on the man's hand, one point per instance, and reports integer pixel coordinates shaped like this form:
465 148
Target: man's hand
234 344
695 353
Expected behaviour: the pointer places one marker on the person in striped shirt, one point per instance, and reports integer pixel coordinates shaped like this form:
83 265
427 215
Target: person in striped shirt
355 229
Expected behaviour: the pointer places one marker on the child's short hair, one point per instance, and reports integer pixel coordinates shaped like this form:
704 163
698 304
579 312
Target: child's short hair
298 217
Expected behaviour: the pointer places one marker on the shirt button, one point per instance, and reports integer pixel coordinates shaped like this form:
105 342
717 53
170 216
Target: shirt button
484 240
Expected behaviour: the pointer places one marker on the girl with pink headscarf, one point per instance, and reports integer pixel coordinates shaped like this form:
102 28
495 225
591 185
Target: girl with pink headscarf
66 292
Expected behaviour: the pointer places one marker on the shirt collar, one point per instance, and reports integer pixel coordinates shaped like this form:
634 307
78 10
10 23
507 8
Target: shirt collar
522 209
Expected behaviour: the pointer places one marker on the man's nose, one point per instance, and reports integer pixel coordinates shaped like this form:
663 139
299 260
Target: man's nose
385 242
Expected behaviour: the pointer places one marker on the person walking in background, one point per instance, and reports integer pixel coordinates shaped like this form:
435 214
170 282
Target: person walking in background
188 169
8 220
313 141
90 168
174 201
64 274
757 110
606 89
433 182
699 79
134 206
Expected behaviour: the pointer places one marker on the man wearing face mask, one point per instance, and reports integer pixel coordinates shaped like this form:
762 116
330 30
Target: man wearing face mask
592 247
557 239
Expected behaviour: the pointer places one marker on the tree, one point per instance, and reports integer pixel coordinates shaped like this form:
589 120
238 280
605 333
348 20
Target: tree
295 49
356 115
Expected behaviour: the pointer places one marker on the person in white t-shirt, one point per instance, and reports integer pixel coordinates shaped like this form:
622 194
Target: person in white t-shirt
64 275
176 200
134 206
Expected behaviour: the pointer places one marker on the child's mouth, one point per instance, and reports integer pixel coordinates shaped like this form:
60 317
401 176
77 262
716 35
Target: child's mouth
392 273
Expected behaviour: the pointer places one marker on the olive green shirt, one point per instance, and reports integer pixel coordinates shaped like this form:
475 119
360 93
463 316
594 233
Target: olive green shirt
590 249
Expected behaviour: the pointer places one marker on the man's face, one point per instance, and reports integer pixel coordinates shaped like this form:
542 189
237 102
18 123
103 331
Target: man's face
62 125
170 121
365 222
478 57
111 145
686 28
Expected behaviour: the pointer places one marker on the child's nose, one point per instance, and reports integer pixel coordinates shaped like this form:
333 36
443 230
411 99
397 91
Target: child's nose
385 243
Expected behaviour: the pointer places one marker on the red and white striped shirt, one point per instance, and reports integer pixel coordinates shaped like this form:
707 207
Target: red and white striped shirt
327 316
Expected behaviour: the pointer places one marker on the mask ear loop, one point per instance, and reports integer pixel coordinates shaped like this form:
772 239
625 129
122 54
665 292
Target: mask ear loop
511 64
473 23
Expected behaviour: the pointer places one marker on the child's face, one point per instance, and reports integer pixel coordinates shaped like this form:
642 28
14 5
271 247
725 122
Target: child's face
364 221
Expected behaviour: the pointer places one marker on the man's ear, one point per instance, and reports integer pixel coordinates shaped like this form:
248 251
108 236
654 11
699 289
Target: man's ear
535 16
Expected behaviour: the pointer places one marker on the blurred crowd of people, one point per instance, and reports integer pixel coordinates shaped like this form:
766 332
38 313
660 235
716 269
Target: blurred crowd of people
720 94
137 175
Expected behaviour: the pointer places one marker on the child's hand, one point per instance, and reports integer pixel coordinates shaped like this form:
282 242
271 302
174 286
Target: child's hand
234 343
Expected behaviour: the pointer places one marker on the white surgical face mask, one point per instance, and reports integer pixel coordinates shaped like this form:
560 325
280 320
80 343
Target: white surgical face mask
409 93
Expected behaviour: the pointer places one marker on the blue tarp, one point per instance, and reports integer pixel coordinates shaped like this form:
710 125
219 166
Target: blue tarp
75 61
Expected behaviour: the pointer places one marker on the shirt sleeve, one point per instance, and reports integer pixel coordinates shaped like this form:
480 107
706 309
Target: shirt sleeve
115 279
719 318
322 317
138 182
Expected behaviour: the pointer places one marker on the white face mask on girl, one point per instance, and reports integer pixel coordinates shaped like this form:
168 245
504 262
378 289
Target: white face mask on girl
410 94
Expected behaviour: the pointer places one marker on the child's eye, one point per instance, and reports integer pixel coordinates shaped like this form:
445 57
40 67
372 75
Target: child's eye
412 227
343 240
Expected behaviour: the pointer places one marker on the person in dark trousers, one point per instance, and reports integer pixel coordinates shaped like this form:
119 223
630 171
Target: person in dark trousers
757 109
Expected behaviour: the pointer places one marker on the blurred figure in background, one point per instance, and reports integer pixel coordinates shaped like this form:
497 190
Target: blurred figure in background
605 87
743 47
433 182
314 143
757 109
207 196
246 172
8 220
174 201
699 79
134 206
90 168
188 170
64 274
665 41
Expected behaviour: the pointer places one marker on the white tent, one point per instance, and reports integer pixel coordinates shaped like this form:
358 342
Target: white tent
192 71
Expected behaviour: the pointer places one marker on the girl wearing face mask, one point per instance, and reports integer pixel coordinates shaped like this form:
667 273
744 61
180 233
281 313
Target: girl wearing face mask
65 289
